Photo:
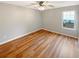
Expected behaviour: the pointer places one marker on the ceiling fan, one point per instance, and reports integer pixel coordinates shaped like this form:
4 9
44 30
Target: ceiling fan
42 5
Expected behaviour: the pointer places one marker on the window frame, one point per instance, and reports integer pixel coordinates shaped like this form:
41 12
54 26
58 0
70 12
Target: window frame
74 21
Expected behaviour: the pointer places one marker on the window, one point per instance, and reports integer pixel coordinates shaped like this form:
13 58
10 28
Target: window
69 20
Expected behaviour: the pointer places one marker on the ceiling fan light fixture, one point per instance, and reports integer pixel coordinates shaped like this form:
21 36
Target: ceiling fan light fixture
41 8
42 5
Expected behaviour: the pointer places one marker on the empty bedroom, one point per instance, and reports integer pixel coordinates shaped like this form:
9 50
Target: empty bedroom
39 29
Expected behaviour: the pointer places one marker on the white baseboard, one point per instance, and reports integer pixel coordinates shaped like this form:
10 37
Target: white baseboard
60 33
32 32
18 37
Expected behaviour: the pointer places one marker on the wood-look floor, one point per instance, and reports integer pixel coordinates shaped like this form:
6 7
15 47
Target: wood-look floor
41 44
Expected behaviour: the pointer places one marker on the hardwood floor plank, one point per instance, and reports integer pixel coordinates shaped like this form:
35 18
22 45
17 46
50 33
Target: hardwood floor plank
40 44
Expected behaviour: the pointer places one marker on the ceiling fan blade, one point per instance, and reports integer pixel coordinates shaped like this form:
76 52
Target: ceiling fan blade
45 3
51 5
34 3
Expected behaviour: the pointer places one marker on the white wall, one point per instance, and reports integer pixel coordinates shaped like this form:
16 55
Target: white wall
52 20
16 21
78 27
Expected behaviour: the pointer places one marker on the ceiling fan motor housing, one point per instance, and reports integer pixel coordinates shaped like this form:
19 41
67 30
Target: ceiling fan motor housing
41 3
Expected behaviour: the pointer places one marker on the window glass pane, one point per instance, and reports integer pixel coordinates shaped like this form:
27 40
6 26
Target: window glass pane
68 19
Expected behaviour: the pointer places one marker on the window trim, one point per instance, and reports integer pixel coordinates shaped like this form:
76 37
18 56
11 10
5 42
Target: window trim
74 22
